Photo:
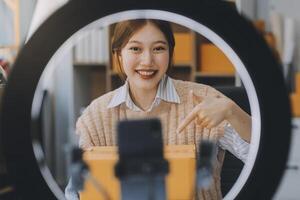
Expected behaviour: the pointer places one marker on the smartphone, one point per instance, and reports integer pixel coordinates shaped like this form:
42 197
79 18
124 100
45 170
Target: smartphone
140 139
140 148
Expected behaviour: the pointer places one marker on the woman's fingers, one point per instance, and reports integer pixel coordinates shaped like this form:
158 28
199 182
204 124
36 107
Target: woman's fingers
199 120
188 119
206 116
205 123
192 115
196 99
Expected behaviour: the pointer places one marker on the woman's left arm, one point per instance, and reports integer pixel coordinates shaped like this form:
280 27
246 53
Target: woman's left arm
210 111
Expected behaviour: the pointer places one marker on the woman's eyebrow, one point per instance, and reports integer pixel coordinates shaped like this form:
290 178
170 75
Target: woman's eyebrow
159 41
134 41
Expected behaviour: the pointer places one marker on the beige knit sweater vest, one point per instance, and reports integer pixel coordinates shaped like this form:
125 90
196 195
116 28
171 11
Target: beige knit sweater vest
97 125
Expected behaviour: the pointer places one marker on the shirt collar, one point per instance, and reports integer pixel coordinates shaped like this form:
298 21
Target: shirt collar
166 91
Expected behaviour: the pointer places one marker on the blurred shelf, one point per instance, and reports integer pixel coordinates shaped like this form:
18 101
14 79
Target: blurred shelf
89 65
182 64
215 79
179 29
113 73
207 74
9 47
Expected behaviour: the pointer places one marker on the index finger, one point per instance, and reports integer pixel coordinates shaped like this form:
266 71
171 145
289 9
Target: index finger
187 120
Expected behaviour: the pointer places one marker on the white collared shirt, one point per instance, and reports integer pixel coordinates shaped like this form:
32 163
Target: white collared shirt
166 91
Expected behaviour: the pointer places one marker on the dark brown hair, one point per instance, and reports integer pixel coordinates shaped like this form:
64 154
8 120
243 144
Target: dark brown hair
124 30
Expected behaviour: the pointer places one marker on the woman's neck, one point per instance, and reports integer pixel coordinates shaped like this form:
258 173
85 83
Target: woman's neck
143 98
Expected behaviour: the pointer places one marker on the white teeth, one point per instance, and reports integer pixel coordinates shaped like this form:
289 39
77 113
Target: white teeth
146 73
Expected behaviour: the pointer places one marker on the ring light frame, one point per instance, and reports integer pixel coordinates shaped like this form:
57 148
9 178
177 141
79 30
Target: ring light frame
19 140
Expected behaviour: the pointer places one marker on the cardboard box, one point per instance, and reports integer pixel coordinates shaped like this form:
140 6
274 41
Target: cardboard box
213 60
179 182
183 52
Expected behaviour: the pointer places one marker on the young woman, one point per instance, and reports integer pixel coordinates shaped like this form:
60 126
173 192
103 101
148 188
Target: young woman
189 112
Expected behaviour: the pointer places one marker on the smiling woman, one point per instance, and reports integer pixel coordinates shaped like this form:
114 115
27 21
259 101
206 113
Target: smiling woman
143 50
144 59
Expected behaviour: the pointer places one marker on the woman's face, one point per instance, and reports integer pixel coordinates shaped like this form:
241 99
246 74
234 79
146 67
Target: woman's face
145 58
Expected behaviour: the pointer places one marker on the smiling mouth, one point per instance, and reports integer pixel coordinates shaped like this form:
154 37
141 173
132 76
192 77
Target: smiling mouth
146 74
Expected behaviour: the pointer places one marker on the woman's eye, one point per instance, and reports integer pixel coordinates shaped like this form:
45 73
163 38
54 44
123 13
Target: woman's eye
158 49
135 49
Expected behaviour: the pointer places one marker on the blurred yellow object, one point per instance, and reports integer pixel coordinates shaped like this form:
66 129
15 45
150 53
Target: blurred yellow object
180 181
183 52
295 104
270 39
260 25
297 83
213 60
295 97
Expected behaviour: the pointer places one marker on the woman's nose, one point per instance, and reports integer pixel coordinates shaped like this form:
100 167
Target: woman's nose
147 58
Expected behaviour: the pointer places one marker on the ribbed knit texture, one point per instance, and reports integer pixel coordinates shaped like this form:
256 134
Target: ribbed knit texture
97 125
